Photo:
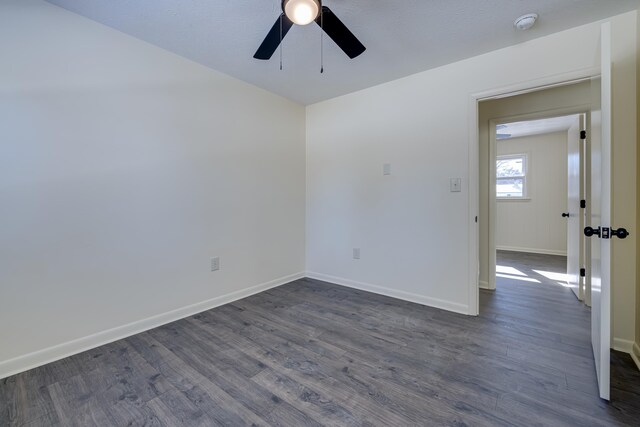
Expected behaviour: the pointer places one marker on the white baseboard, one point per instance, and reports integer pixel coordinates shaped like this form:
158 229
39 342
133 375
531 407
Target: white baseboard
60 351
635 354
394 293
484 285
531 250
624 346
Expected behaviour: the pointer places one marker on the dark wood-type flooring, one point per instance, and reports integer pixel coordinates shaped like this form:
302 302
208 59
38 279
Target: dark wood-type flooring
311 353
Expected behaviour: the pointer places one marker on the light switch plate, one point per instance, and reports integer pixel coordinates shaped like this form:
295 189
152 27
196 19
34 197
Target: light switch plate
386 169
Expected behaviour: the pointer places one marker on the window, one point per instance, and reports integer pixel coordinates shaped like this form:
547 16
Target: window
511 176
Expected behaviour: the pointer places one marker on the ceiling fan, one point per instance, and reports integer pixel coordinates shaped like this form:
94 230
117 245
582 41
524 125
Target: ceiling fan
303 12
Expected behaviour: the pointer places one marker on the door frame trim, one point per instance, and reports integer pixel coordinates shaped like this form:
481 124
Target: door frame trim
474 166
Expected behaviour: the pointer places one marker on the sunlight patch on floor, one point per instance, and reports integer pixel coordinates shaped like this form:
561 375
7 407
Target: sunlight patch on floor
560 278
503 269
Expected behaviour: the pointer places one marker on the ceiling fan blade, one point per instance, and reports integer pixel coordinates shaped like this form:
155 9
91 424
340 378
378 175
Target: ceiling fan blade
272 41
339 33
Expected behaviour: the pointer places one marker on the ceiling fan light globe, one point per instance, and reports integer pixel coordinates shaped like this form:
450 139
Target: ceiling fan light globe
302 12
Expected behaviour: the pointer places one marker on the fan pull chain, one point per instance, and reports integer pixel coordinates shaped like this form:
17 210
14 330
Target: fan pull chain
281 42
321 41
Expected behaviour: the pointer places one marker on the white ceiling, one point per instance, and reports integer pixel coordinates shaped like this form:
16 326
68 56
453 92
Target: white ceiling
536 127
402 36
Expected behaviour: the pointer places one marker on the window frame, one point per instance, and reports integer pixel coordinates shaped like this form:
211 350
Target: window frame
524 176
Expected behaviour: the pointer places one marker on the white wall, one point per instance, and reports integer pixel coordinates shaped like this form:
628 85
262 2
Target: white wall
413 232
123 169
535 224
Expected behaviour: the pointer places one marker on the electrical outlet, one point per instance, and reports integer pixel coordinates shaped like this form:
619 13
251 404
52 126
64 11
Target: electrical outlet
356 253
215 264
386 169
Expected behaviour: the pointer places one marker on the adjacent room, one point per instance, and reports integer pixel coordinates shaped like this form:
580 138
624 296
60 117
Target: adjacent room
306 212
531 191
533 159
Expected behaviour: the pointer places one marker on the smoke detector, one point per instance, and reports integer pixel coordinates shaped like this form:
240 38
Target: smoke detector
526 21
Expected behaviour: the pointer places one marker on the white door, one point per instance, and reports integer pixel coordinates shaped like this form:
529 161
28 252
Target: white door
573 214
600 144
586 217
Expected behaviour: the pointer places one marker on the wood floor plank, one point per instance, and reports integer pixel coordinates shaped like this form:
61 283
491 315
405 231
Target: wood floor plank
175 409
24 399
75 405
259 400
303 366
197 388
314 403
288 331
125 375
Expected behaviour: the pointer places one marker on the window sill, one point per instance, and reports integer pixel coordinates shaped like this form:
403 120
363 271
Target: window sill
513 199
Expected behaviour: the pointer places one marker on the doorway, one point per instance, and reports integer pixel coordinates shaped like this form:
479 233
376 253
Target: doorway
516 110
570 99
537 185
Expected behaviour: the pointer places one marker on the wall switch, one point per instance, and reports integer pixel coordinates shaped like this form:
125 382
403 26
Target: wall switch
215 264
386 169
356 253
455 185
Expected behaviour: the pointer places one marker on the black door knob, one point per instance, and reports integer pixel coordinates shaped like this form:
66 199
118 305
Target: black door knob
565 215
620 233
588 231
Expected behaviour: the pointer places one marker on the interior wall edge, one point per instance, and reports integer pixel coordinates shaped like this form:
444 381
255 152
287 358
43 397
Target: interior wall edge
393 293
51 354
635 354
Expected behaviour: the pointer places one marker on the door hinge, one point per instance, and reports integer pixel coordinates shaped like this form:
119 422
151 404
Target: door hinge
583 272
583 134
476 219
583 204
